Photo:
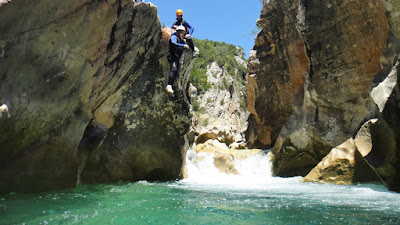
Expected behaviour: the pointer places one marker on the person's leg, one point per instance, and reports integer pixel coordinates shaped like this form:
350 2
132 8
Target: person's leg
173 73
189 41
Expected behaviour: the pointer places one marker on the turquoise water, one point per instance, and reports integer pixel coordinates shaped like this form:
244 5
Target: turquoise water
179 203
209 198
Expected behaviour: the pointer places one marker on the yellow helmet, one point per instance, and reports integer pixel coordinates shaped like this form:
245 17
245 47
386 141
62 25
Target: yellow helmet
179 12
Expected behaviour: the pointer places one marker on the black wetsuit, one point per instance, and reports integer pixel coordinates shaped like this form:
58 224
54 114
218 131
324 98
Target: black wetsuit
176 47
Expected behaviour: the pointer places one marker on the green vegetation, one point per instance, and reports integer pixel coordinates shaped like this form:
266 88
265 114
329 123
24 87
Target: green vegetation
220 52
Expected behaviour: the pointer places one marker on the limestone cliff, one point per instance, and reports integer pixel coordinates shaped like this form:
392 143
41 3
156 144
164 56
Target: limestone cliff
218 94
311 72
84 83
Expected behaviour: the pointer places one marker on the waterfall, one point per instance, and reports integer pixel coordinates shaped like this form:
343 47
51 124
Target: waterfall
254 171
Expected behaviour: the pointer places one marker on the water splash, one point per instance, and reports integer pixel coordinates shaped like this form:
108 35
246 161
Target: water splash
254 173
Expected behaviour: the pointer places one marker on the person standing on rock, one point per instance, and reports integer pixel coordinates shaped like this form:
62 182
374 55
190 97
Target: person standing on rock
177 44
188 29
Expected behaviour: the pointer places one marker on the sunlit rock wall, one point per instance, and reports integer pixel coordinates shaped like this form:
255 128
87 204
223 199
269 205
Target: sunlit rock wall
277 69
350 46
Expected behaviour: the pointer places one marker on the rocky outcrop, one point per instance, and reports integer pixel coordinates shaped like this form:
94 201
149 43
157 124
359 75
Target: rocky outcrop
373 154
277 69
343 165
382 150
84 82
329 90
343 48
219 131
221 114
148 139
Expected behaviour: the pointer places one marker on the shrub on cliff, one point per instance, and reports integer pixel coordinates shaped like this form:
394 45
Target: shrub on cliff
213 51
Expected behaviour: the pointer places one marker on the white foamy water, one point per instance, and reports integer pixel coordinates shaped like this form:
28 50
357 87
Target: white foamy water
254 173
255 179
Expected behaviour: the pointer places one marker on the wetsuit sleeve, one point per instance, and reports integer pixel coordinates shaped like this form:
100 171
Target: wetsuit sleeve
174 40
191 29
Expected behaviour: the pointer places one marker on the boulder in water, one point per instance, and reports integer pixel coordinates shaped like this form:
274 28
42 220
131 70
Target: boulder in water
223 160
343 165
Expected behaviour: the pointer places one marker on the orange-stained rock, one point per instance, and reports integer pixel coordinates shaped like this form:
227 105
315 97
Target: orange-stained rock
314 67
277 69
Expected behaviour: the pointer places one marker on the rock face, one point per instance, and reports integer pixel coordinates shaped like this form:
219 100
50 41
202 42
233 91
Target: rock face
311 71
373 154
222 114
336 71
300 152
277 69
393 13
84 82
383 150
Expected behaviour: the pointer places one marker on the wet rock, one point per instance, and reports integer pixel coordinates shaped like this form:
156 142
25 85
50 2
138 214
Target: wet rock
223 156
343 165
238 145
300 152
223 160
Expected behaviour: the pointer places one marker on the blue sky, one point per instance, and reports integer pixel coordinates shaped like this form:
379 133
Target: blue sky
220 20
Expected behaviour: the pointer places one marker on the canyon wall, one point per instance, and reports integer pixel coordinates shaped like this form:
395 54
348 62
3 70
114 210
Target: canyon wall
84 83
311 72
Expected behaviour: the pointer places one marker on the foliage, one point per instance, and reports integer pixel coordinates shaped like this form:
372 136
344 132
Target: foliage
195 104
242 102
212 51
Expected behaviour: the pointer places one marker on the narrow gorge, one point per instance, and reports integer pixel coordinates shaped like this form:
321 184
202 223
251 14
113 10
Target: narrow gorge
304 131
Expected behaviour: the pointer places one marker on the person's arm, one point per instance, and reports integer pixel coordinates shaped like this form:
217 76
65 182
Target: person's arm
174 26
191 29
174 40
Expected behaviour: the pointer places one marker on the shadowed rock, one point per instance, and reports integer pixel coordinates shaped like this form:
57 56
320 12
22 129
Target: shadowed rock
66 65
